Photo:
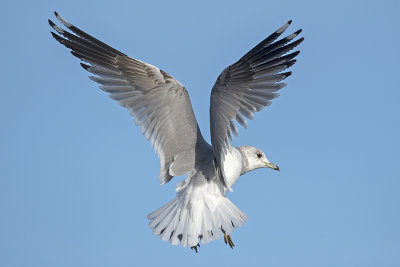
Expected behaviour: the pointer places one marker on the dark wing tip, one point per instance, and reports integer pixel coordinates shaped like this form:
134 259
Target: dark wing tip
86 67
290 63
298 32
57 37
76 55
287 74
52 24
282 29
62 20
295 54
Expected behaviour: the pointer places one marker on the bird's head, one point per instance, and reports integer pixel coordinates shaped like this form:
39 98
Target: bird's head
254 158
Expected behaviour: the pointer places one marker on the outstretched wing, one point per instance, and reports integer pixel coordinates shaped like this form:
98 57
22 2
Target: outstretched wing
248 86
159 103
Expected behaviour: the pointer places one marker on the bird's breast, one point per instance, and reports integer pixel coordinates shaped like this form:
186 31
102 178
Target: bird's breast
232 166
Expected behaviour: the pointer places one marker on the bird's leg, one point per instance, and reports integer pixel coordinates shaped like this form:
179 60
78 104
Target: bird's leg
228 241
195 247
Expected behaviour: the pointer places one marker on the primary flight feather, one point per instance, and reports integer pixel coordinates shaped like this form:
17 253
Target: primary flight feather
201 212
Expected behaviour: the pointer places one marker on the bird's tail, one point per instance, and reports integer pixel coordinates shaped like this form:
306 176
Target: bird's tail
185 222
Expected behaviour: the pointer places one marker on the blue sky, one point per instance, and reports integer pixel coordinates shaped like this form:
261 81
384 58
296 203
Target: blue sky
77 179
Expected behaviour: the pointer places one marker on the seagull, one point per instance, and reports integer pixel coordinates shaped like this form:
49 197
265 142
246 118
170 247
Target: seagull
201 211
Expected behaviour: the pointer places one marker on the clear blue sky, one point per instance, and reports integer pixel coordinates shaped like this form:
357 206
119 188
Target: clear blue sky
77 179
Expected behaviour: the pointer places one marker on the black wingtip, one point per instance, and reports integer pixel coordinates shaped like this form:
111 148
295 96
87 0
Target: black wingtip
57 37
86 67
295 54
76 54
298 32
55 13
287 74
291 63
52 24
289 22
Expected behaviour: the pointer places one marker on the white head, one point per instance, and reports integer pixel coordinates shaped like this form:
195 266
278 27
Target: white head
254 158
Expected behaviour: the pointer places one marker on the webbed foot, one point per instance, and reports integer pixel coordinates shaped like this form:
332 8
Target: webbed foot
195 247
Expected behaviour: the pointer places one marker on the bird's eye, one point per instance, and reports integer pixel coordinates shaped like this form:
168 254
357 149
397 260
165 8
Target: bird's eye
259 155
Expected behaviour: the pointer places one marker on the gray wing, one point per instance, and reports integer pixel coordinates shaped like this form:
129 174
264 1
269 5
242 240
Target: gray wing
159 103
248 86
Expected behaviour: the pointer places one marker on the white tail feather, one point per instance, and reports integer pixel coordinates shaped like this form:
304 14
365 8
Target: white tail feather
203 216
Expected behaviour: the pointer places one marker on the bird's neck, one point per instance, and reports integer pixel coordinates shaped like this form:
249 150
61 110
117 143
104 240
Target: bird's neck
245 162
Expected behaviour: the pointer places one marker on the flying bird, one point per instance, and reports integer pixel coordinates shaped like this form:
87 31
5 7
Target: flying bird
201 211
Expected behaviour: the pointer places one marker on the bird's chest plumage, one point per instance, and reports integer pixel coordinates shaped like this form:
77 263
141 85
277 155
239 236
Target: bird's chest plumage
232 166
